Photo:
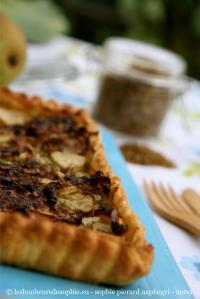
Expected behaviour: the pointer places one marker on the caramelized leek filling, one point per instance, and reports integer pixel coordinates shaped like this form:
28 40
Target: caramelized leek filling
44 167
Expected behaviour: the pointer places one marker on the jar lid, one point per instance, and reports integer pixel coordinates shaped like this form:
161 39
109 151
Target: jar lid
142 61
147 54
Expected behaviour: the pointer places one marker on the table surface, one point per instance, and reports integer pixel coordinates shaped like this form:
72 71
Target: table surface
179 138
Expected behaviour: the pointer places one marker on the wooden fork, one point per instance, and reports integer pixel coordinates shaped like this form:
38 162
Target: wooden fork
173 207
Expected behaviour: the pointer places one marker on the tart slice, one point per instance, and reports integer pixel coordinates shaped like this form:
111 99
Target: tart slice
62 209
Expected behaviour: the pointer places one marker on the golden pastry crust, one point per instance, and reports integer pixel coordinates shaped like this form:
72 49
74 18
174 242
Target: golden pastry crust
76 252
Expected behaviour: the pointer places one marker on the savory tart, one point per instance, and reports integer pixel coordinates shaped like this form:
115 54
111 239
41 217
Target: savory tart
62 209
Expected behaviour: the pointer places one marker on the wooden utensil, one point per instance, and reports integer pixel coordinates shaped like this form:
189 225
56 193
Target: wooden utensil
173 207
193 200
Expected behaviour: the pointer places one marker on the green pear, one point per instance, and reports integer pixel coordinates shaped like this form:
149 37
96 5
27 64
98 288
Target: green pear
12 50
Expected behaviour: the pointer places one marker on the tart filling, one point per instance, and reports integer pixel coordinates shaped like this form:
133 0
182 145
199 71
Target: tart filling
45 168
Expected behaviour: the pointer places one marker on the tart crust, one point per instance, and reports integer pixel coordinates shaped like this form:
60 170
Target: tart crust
36 242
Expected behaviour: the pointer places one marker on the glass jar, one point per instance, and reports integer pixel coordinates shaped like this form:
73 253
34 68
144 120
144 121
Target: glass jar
137 86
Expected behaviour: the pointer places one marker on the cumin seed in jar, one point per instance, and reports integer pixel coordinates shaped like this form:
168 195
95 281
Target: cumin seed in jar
131 105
